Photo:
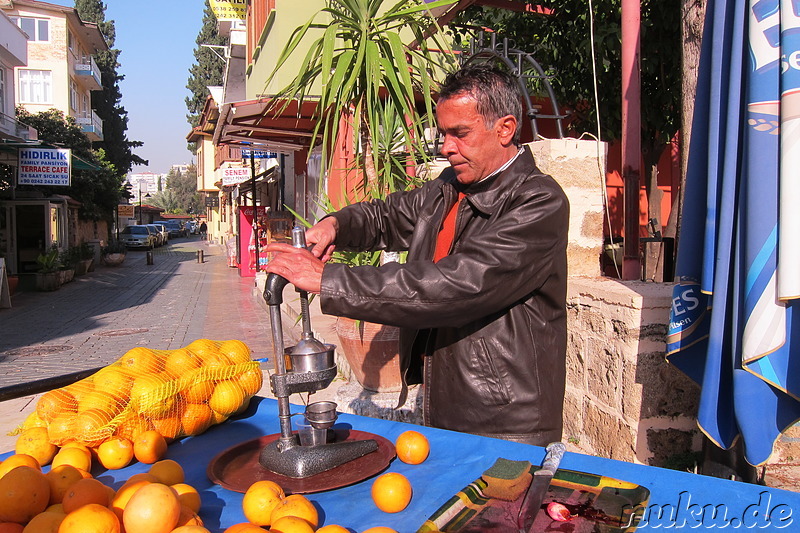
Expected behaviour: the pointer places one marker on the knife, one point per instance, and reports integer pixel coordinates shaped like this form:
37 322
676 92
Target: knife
537 490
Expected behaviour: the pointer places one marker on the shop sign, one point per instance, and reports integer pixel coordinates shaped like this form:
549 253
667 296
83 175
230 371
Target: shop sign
44 166
229 9
258 154
212 201
125 211
234 176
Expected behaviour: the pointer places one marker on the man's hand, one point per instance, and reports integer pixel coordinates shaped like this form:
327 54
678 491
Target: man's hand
322 235
299 266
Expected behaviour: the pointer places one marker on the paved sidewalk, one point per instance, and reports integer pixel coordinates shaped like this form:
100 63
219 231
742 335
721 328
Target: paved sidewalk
95 319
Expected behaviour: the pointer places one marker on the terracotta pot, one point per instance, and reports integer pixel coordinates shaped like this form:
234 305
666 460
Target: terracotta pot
113 259
371 351
13 282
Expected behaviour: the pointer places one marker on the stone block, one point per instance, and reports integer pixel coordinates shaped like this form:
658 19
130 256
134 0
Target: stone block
608 435
671 448
604 377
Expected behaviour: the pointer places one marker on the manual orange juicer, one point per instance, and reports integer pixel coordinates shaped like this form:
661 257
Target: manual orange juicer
306 367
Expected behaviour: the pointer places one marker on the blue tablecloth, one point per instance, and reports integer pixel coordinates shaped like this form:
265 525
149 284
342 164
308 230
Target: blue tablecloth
677 499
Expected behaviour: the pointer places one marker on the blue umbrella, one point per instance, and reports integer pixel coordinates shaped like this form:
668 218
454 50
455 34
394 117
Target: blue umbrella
735 307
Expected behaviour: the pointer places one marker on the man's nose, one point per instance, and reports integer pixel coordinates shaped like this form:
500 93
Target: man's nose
448 146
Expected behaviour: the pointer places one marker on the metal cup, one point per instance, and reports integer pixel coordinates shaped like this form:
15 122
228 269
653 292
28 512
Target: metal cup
321 415
309 435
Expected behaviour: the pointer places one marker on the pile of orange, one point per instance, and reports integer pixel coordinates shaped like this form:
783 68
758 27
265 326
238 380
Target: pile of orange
68 499
173 392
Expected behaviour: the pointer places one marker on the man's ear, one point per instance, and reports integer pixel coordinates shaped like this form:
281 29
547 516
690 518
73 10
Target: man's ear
506 127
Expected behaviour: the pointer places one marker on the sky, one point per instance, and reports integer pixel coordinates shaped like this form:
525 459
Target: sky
157 41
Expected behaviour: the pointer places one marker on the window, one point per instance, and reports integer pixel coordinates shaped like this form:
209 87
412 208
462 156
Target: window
37 29
2 89
74 100
35 86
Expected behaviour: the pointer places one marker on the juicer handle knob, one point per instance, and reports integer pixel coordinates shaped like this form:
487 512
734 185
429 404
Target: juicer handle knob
273 289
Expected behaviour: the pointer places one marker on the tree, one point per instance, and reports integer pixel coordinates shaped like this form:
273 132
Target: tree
208 69
561 42
115 143
99 191
180 194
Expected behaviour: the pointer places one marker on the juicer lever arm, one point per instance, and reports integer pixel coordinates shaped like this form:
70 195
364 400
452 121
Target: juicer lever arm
273 289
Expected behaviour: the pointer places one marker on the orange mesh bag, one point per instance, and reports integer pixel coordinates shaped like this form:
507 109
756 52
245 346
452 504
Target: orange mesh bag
175 392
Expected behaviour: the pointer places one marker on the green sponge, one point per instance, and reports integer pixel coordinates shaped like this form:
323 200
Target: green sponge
507 480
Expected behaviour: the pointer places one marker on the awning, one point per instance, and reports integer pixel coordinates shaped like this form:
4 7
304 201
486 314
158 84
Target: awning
264 124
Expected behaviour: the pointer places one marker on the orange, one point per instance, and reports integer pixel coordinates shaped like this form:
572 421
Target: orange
214 362
391 492
55 403
227 397
18 459
180 361
237 351
259 501
74 457
36 443
11 527
243 527
296 505
60 479
291 524
198 392
149 394
412 447
102 400
217 418
141 360
167 471
132 426
203 347
251 380
33 421
115 453
55 508
188 518
45 522
149 446
91 427
84 492
187 495
24 493
379 529
62 429
113 379
125 493
190 529
153 508
196 418
91 518
332 528
169 427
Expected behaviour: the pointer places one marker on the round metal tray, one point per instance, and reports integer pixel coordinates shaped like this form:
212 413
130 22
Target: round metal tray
237 467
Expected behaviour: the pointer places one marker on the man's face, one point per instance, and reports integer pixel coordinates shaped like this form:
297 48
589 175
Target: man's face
473 151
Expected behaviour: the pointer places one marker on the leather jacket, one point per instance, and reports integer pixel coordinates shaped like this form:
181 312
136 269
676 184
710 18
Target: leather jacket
488 320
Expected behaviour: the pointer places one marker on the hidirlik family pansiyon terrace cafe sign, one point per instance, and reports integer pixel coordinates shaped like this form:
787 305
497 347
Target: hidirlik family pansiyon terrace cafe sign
44 166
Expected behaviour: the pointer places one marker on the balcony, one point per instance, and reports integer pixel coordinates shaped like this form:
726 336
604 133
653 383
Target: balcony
89 74
13 130
91 126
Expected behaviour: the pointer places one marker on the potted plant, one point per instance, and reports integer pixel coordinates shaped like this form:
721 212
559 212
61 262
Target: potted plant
113 253
375 100
47 277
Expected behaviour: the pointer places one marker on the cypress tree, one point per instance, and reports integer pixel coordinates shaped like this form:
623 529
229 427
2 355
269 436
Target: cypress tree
106 102
208 69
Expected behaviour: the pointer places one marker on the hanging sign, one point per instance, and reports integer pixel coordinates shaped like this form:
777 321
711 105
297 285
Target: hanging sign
229 9
125 211
258 154
44 166
234 176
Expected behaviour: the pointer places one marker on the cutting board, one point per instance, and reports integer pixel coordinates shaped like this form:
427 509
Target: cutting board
598 504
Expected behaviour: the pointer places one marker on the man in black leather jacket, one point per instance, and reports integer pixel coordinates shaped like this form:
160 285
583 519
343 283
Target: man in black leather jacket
482 318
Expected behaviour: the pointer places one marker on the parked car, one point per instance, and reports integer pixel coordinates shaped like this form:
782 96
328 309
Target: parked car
162 229
160 241
175 228
138 237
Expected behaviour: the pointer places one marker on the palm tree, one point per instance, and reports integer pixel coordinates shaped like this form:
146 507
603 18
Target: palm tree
381 87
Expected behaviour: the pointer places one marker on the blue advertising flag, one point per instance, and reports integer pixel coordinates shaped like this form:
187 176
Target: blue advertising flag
740 197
